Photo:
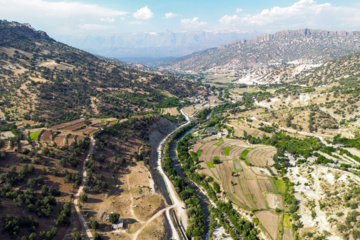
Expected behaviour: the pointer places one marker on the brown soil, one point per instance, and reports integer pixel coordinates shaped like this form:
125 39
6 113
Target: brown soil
270 221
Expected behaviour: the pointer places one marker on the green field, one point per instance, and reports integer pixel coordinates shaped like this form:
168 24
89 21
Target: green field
221 141
34 135
244 153
281 185
237 165
227 151
104 120
199 152
210 165
286 221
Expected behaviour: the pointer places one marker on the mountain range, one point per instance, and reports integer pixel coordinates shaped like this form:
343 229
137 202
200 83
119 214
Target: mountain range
270 50
154 45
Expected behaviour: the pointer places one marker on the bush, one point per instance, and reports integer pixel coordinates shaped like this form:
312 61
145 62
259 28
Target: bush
114 217
93 224
83 197
293 208
76 236
97 237
216 187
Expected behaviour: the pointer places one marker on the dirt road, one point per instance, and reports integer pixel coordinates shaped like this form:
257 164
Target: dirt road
76 198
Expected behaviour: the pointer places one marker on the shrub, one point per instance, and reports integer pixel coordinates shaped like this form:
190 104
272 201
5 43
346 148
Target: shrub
83 197
114 217
93 224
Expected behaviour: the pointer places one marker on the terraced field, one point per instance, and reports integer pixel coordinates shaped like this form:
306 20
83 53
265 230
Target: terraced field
171 111
243 176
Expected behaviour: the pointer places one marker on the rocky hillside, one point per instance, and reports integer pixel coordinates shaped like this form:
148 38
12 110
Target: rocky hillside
46 81
271 50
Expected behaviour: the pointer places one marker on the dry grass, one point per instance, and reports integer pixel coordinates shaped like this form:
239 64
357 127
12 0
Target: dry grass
270 221
171 111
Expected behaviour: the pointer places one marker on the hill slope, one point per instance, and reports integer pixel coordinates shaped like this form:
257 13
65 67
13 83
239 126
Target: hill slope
47 81
302 46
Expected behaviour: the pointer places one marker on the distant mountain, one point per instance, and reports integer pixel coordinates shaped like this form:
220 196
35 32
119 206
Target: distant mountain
300 46
154 45
47 81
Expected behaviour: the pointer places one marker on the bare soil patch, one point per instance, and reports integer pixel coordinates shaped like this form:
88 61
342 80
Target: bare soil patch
270 221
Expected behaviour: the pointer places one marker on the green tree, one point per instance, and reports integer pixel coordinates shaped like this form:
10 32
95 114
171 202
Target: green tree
93 224
76 236
83 197
114 217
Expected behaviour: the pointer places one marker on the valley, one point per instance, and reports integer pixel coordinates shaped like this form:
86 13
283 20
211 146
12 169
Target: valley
258 139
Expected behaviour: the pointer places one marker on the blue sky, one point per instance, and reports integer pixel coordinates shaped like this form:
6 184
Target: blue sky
73 17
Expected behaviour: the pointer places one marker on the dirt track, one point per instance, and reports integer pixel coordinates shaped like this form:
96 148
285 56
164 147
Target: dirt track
76 199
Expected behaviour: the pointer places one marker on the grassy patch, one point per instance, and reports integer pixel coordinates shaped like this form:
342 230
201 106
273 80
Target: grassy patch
243 156
244 153
237 202
237 165
287 221
227 151
104 120
199 152
115 121
210 165
274 185
34 135
221 141
281 185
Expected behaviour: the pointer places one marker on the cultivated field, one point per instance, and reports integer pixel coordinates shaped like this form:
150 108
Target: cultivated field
171 111
243 176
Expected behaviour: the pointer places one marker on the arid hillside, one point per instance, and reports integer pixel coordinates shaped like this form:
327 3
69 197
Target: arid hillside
46 81
271 50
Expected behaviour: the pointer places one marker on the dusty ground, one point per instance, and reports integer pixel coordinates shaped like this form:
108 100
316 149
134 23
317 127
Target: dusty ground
326 186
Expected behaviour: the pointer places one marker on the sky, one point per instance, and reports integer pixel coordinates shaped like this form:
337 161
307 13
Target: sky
80 17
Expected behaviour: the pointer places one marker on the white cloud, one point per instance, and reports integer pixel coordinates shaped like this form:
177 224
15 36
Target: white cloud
136 22
192 23
239 10
107 19
143 13
304 13
58 18
170 15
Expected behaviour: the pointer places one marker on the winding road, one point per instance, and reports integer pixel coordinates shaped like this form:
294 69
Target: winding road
177 203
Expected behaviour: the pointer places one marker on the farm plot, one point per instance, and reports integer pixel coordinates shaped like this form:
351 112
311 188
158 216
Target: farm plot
79 138
74 127
86 130
249 187
46 136
270 221
274 200
256 194
59 139
241 127
262 156
171 111
70 139
64 125
34 136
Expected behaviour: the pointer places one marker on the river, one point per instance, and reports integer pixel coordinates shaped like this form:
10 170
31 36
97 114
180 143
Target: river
171 196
